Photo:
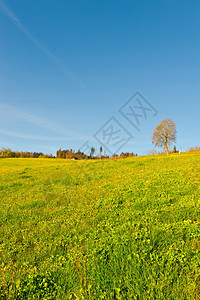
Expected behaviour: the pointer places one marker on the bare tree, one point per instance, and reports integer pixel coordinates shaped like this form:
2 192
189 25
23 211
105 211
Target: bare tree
164 134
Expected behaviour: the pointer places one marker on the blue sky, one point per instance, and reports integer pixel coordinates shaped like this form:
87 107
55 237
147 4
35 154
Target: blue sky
67 67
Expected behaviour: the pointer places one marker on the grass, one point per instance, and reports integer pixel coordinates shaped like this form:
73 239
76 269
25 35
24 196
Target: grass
110 229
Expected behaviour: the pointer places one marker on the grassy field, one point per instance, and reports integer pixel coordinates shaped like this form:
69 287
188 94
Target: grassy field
110 229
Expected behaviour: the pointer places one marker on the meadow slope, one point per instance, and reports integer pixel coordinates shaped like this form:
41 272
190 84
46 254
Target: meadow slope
110 229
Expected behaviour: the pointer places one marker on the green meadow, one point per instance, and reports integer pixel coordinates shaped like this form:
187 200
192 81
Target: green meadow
100 229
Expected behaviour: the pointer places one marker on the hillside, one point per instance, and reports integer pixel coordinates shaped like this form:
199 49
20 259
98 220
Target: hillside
110 229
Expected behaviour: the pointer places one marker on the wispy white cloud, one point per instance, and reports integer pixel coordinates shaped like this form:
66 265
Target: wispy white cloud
11 113
10 14
15 113
30 136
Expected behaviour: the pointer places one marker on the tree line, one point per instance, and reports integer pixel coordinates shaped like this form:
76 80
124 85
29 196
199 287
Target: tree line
64 154
8 153
71 154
